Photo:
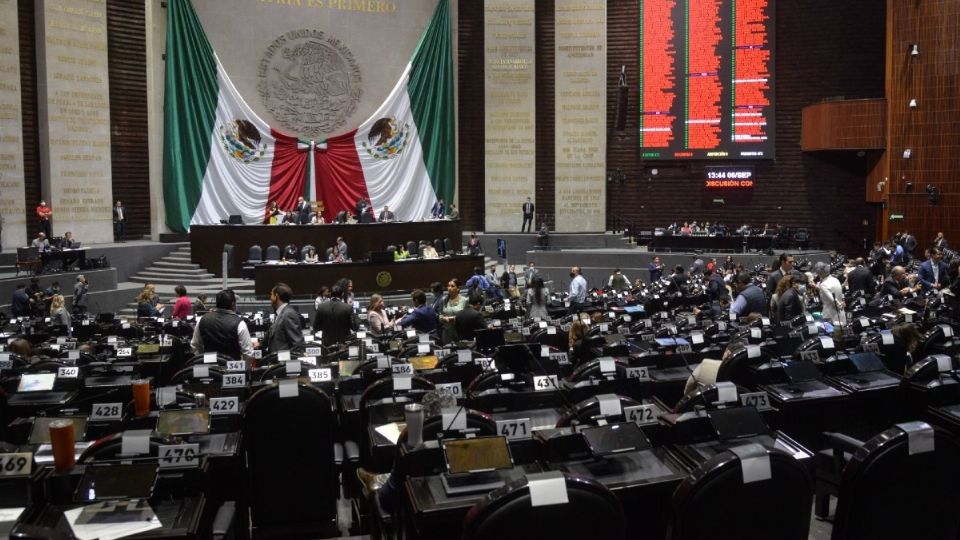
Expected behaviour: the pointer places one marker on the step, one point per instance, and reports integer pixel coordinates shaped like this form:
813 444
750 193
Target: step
175 264
164 271
173 257
189 282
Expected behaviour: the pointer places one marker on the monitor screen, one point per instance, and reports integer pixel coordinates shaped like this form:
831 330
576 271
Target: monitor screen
615 438
104 482
40 434
865 362
801 371
737 422
36 382
480 454
183 421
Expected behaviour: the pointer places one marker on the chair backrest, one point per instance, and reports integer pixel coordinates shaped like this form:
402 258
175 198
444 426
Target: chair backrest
735 368
291 248
724 499
273 253
708 397
187 376
108 448
290 459
438 245
592 511
901 484
255 253
412 248
391 249
28 254
448 246
588 412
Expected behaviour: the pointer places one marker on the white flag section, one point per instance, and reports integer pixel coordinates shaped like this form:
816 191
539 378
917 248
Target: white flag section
400 182
237 179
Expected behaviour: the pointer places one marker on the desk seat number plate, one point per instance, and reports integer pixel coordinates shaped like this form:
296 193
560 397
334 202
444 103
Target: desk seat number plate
16 464
760 400
225 405
106 412
174 456
518 428
641 415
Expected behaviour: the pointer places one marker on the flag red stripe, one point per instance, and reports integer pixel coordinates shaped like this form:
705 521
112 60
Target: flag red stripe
287 177
339 176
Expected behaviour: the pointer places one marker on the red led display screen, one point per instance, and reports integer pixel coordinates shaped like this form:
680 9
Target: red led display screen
706 79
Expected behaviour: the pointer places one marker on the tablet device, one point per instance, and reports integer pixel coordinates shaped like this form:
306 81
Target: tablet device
40 434
801 371
102 482
477 455
615 439
183 421
36 382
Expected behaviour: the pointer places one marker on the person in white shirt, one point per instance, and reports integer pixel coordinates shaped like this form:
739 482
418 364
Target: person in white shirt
831 293
578 289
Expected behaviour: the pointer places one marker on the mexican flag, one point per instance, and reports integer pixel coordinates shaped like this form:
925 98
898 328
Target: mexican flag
221 159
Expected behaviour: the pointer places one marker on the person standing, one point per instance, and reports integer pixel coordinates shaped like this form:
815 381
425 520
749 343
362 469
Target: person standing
578 290
933 271
222 330
537 299
58 313
284 333
183 307
656 269
530 273
786 267
342 247
119 221
423 319
80 295
377 317
831 293
336 318
527 216
44 213
618 281
438 210
20 302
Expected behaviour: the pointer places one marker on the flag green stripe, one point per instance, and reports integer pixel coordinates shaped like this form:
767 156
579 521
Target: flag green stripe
431 98
190 105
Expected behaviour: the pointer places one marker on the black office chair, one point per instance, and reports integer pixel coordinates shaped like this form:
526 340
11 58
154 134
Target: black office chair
279 371
900 484
587 412
412 248
273 253
708 397
254 257
108 448
449 247
592 511
186 376
893 355
182 329
438 245
391 249
222 360
291 463
736 367
291 253
720 500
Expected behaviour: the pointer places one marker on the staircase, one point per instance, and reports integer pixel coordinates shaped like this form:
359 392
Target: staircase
176 269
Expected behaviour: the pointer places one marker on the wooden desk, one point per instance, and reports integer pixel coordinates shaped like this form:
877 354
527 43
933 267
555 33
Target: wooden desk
207 241
367 277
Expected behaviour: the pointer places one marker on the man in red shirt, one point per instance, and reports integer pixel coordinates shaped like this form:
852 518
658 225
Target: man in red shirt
44 213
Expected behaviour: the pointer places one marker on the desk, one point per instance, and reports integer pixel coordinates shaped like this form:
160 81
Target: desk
643 480
179 519
206 241
711 243
430 513
62 260
367 277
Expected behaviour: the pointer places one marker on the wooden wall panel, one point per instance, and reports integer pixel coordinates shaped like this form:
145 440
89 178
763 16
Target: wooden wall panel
30 117
128 112
932 129
470 112
859 124
546 108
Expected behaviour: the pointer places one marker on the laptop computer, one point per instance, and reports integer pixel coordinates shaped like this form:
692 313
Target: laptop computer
37 389
615 439
110 481
40 433
179 422
737 422
472 464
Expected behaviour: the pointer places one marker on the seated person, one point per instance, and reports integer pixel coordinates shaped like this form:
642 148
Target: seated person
368 216
386 216
41 242
473 245
335 256
291 253
429 252
705 373
401 253
317 219
145 305
68 241
311 256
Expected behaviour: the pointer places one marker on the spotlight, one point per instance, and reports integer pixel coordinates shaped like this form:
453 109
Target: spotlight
907 153
913 103
914 50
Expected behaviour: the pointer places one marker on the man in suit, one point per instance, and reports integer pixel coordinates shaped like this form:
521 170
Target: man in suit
335 319
527 216
530 273
469 319
656 269
342 246
678 280
386 216
423 319
896 284
119 221
368 216
909 243
437 212
861 279
933 271
786 266
361 206
303 211
284 333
